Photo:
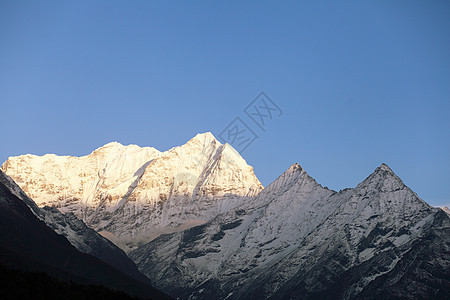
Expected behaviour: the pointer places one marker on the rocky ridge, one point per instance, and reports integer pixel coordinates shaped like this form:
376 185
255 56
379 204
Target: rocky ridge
298 240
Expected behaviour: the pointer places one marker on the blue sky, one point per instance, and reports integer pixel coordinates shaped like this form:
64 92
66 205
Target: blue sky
359 82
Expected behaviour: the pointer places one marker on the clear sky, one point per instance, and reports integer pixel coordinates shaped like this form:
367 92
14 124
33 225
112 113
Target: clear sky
358 82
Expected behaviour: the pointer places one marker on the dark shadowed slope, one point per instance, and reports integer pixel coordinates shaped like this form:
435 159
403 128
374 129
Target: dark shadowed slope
26 243
16 284
79 235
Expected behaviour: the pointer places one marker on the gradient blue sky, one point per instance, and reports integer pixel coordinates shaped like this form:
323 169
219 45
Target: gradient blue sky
360 83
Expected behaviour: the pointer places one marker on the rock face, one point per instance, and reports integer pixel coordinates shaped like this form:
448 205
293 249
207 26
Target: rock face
298 240
77 233
131 194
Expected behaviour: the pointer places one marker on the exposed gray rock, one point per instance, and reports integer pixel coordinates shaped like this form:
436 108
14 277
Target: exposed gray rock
298 240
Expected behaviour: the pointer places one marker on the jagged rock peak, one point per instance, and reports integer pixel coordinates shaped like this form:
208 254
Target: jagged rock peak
391 191
294 168
385 168
383 174
289 177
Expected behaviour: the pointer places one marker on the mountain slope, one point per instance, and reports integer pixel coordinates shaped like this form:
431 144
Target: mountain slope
28 244
298 240
79 235
16 284
131 194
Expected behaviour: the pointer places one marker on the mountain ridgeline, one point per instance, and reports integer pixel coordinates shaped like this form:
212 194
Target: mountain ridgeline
198 223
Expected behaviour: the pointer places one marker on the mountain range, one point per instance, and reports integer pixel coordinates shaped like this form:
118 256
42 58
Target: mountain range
131 194
197 222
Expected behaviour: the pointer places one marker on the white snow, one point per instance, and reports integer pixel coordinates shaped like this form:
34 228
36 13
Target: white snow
139 193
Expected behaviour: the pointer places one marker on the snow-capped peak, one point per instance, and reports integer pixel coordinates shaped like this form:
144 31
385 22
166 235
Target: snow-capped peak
205 136
112 144
130 190
203 139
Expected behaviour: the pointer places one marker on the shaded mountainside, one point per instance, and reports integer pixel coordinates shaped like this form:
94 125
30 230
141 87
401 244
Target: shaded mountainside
423 271
26 243
16 284
298 240
79 235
